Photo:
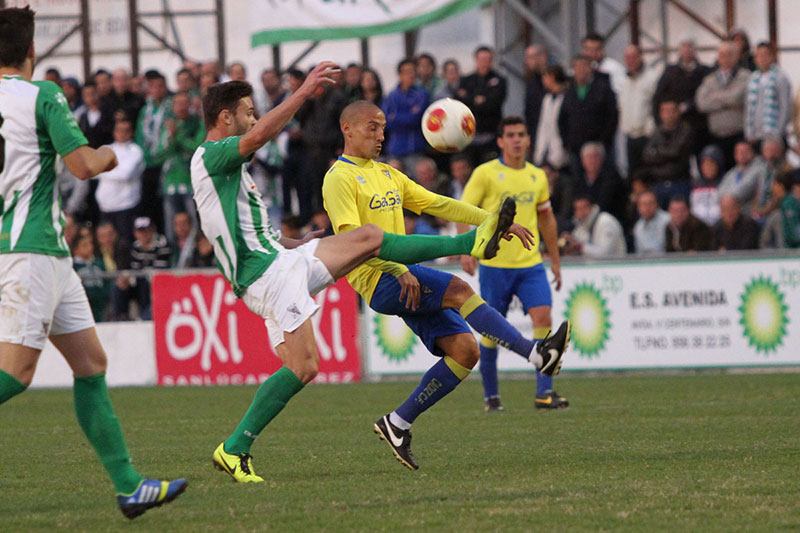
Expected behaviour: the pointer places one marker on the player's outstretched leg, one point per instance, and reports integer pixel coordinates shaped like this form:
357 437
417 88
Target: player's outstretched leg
482 242
491 325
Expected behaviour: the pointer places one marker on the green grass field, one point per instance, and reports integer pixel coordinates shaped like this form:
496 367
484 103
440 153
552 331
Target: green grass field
691 453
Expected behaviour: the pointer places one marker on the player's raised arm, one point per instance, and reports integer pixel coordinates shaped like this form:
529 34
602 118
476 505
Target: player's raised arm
272 123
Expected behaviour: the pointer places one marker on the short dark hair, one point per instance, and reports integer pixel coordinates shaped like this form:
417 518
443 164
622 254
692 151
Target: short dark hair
512 120
483 48
403 62
223 96
787 179
581 57
90 83
428 57
53 70
450 61
768 45
679 199
16 35
461 157
153 74
354 65
557 71
296 74
583 196
102 71
183 71
594 36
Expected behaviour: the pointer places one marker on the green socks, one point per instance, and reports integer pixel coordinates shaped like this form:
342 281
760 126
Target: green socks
9 387
271 397
412 249
101 426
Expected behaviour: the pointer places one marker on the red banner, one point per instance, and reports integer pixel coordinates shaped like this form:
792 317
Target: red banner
206 336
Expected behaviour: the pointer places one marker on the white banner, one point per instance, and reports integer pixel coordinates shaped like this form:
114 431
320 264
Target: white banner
711 313
279 21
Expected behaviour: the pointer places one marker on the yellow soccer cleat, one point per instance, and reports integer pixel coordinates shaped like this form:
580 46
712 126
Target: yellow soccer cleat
491 230
237 465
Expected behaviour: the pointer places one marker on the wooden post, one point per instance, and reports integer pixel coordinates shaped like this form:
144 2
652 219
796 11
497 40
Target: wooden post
365 52
730 14
276 57
633 18
133 29
220 6
86 41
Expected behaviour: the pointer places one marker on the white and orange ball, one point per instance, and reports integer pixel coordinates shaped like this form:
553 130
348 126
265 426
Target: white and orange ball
448 125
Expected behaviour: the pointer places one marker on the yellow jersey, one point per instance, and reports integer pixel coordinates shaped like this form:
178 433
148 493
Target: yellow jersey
494 181
362 191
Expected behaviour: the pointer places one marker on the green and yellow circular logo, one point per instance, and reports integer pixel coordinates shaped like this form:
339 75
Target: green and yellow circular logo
588 313
394 337
764 314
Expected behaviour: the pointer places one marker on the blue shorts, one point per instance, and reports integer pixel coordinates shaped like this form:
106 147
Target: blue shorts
429 321
499 285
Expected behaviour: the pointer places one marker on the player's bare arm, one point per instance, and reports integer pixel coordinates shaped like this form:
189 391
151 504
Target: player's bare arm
85 163
549 232
271 124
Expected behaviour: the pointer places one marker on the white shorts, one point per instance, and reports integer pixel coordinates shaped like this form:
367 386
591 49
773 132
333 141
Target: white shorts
283 294
40 295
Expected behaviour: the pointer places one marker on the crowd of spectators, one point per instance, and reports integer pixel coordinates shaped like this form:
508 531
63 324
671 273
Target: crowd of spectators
641 159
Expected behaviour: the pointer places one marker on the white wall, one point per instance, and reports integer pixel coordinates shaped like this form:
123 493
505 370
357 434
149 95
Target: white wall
129 346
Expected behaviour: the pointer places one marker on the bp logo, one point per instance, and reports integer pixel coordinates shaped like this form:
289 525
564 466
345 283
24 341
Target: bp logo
394 337
764 314
588 313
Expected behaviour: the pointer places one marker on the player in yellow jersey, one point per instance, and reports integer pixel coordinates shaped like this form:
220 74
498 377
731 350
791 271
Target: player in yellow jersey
515 270
437 306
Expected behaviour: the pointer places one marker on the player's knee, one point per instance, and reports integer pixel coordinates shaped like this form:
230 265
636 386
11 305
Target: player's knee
459 290
373 237
305 368
470 355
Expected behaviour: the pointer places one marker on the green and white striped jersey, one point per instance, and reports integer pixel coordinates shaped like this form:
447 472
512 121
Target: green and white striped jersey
35 125
232 214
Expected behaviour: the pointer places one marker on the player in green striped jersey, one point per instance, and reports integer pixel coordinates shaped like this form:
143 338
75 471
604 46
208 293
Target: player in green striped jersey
41 296
275 276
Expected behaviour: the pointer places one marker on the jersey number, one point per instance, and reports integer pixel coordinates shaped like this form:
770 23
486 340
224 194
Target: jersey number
2 147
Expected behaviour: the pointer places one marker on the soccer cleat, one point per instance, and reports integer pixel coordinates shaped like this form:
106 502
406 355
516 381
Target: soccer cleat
150 493
237 465
551 400
399 440
493 405
491 230
552 349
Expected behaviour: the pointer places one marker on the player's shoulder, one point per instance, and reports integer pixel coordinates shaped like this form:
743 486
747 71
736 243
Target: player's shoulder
49 91
389 170
536 173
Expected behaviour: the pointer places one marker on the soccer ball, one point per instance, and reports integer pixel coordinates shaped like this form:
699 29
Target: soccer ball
448 125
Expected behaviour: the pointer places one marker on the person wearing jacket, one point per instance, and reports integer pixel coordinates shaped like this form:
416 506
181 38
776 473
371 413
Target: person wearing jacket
404 107
588 113
721 96
484 92
596 233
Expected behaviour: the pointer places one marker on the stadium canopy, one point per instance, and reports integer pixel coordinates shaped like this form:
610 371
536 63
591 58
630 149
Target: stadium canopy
279 21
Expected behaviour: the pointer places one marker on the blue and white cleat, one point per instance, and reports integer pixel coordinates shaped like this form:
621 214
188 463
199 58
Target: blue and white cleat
150 493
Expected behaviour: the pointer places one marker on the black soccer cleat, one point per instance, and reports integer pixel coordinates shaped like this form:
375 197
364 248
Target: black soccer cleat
493 405
399 440
505 218
551 400
553 348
